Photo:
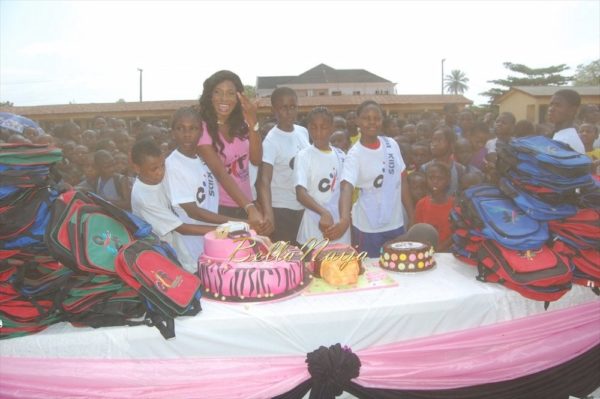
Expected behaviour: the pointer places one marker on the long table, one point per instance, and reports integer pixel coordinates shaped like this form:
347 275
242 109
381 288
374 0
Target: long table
442 301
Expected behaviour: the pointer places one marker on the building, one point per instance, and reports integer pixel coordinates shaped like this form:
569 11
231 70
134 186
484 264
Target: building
405 106
531 102
324 80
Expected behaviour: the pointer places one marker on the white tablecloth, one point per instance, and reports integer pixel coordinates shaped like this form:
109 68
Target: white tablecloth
445 299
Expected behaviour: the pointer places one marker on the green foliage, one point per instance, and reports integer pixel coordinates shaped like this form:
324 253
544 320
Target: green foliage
588 75
456 82
548 76
6 104
250 91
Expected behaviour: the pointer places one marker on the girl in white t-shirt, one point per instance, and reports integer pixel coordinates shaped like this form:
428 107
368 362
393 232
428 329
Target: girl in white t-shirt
191 187
375 166
317 173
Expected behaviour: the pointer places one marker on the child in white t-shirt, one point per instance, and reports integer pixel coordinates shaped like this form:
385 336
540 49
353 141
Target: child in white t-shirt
191 186
317 173
276 189
375 166
149 201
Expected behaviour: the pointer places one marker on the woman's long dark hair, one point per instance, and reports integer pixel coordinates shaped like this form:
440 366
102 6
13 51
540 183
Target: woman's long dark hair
237 125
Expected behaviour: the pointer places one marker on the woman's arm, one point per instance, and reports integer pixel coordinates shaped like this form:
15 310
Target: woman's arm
209 155
249 110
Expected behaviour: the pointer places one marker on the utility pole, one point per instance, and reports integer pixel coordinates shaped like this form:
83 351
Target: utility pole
443 59
141 70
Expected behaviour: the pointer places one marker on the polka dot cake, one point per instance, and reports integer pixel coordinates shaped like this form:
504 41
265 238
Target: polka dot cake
406 256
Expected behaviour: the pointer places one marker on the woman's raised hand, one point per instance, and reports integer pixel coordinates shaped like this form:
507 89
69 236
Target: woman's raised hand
249 109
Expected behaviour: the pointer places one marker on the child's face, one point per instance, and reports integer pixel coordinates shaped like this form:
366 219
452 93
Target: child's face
320 128
370 121
421 155
560 111
105 167
439 144
465 121
340 140
88 138
392 128
463 152
286 110
224 99
588 134
504 126
152 170
186 132
121 163
351 121
478 139
410 131
418 187
437 181
80 154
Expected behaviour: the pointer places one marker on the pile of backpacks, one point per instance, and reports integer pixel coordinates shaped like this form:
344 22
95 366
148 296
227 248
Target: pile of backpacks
75 257
538 231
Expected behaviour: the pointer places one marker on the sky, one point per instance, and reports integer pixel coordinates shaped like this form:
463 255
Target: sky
57 52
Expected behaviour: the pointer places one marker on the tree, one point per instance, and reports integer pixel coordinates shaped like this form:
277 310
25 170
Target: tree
456 82
250 91
588 75
549 76
121 100
6 104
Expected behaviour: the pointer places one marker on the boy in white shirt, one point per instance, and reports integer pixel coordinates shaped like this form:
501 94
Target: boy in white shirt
191 186
276 189
317 173
149 201
562 112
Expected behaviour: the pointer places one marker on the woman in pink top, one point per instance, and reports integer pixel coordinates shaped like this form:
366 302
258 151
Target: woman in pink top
229 142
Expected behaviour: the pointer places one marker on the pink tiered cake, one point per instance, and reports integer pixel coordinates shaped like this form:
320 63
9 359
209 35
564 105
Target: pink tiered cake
238 266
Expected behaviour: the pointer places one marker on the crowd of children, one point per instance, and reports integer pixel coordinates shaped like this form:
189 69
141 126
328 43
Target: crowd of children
361 178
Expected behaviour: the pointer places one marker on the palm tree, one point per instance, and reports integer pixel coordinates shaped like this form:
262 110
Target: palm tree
456 82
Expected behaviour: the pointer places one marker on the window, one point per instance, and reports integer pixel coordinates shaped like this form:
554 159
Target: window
542 113
356 93
336 93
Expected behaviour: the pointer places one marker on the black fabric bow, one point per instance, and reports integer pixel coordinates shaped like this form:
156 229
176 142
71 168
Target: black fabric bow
331 370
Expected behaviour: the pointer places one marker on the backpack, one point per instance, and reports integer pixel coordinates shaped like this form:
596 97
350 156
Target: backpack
540 161
581 230
24 216
585 264
169 290
496 217
96 239
534 207
535 274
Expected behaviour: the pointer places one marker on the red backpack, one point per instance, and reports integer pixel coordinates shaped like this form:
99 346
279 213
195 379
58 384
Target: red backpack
540 274
155 273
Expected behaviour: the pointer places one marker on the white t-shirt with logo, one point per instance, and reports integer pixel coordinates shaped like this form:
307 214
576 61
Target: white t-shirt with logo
190 180
151 203
570 137
319 172
279 150
364 168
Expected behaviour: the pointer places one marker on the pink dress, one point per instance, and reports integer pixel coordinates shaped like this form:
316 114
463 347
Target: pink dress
236 159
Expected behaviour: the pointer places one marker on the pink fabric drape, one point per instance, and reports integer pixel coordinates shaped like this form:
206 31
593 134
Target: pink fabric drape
498 352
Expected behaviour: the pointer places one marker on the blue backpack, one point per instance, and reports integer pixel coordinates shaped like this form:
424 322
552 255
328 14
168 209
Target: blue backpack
534 207
497 217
